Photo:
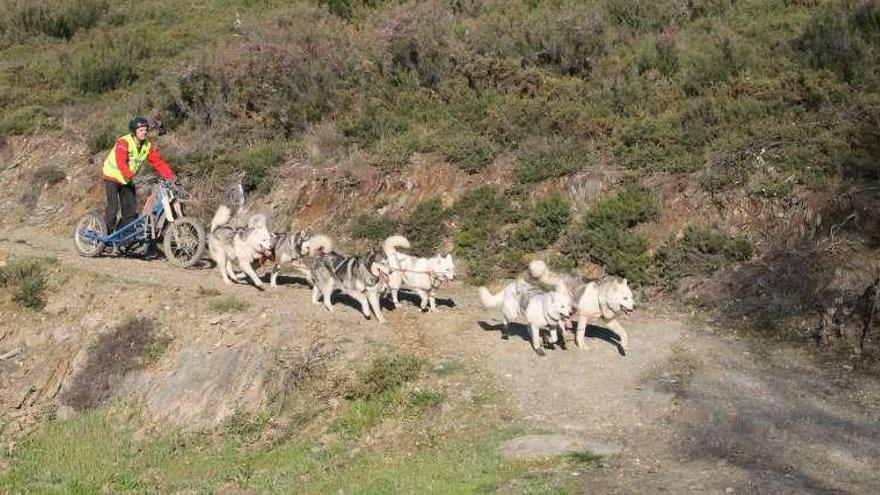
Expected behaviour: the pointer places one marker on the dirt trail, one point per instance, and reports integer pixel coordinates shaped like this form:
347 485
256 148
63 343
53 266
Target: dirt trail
688 409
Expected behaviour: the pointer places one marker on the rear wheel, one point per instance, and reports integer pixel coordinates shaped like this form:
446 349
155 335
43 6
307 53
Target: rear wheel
184 242
89 228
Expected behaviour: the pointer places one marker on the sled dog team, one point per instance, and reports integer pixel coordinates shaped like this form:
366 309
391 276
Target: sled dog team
574 300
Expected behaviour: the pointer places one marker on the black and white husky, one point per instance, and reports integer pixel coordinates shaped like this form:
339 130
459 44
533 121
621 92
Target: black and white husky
232 247
361 277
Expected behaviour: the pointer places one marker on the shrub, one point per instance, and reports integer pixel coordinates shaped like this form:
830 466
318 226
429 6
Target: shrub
568 37
27 280
602 236
843 41
372 227
700 250
426 228
104 63
468 150
481 213
539 159
383 374
414 39
54 18
113 356
25 119
103 135
227 304
257 162
546 222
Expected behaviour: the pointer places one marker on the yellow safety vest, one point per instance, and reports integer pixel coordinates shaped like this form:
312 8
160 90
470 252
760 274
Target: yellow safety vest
136 158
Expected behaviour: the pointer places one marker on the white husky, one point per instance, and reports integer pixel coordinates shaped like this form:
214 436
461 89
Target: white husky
230 246
424 275
541 309
605 297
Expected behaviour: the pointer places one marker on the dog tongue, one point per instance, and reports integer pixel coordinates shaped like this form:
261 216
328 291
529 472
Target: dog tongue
567 323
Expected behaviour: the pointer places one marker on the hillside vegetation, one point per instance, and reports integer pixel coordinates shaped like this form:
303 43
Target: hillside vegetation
723 103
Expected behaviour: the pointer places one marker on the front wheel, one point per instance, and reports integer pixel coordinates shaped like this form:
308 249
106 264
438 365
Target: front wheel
184 242
88 231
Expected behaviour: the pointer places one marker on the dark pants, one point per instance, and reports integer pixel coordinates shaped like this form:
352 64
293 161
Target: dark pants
117 193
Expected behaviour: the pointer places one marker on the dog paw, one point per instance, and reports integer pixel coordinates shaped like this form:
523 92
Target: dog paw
539 351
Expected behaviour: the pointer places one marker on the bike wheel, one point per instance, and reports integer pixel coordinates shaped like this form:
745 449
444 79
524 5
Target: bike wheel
91 225
184 242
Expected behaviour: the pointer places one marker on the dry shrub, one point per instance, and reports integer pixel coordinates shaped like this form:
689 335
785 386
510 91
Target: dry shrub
114 355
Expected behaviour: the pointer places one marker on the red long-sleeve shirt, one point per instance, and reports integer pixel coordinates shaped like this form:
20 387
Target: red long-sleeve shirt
159 165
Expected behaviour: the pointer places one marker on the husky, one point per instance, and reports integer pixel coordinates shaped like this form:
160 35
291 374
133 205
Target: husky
230 246
424 275
290 249
361 277
605 297
542 309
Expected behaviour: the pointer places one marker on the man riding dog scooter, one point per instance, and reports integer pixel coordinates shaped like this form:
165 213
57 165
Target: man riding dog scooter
122 164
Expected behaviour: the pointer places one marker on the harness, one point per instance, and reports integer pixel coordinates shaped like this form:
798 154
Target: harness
437 279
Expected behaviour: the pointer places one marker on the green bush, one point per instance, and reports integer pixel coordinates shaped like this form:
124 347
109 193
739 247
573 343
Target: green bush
844 41
385 373
372 227
539 159
602 234
103 135
25 119
415 41
468 150
426 228
27 280
481 212
257 162
53 18
104 63
546 222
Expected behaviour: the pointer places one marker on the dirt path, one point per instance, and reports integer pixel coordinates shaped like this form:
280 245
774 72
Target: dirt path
688 409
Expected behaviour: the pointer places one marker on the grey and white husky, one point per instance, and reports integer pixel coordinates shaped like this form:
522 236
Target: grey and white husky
424 275
361 277
238 246
289 249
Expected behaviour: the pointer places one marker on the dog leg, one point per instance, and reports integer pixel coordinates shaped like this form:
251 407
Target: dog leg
273 278
373 298
617 328
535 335
580 332
432 301
249 270
362 300
230 269
553 337
561 334
316 294
222 265
326 292
394 298
423 299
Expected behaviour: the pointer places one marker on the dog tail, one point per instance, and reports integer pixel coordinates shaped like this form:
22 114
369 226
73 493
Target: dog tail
221 217
540 271
490 300
319 244
391 244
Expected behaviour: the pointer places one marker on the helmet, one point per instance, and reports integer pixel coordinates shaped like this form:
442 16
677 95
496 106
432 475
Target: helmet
136 122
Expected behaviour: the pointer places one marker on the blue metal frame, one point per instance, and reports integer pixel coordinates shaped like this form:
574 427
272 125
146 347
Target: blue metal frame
137 229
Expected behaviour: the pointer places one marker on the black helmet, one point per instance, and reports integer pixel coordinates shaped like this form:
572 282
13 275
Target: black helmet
136 122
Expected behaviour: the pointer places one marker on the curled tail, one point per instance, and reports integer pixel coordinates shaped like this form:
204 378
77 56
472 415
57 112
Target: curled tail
317 245
391 244
540 271
490 300
222 216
